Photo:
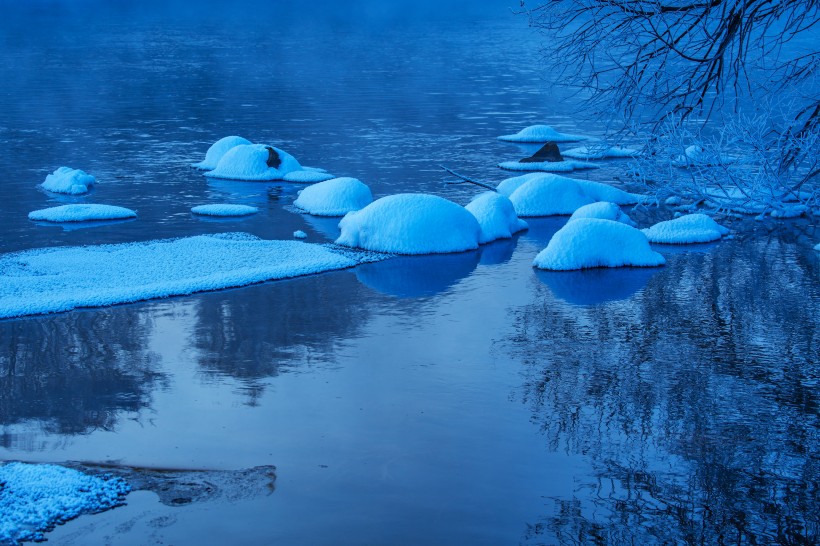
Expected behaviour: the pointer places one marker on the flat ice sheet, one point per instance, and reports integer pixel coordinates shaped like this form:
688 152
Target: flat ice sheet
50 280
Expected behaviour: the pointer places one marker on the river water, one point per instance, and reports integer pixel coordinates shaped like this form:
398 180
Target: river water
457 399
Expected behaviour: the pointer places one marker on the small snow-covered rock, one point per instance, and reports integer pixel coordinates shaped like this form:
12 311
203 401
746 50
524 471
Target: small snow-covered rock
593 242
224 209
592 151
690 228
334 197
250 162
81 213
299 234
307 176
69 181
603 210
411 224
541 133
496 216
548 166
217 150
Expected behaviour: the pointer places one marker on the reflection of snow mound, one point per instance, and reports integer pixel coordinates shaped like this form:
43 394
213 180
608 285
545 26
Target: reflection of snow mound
411 224
696 156
692 228
592 151
592 242
69 181
548 166
541 133
496 216
50 280
34 498
217 150
335 197
417 276
81 213
249 162
596 286
603 210
307 176
224 209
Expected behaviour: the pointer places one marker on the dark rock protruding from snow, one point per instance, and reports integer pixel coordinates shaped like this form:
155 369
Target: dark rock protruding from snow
547 153
273 158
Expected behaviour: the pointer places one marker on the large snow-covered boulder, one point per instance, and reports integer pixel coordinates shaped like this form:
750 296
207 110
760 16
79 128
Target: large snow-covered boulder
496 216
692 228
411 224
69 181
217 150
335 197
251 162
541 133
603 210
81 213
592 242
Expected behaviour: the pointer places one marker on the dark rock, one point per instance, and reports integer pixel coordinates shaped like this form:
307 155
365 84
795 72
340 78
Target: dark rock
548 153
273 158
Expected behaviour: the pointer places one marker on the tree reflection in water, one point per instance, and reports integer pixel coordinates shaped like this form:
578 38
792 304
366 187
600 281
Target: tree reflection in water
696 401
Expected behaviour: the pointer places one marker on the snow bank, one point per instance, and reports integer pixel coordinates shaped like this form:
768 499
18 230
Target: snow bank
34 498
603 210
496 216
411 224
307 176
250 162
692 228
592 151
217 150
81 213
548 166
224 209
69 181
49 280
335 197
592 242
541 133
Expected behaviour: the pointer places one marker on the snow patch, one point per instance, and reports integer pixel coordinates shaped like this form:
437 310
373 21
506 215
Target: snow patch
548 166
307 176
603 210
250 162
335 197
496 216
299 234
541 133
217 150
592 151
690 228
81 213
69 181
224 209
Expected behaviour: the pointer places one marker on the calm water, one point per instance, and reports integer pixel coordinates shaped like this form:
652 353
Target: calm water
460 399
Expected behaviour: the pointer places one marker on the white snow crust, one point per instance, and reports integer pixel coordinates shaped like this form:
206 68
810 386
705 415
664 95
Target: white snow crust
49 280
34 498
691 228
335 197
548 166
69 181
217 150
496 216
81 213
592 151
411 224
541 133
593 242
224 209
603 210
249 162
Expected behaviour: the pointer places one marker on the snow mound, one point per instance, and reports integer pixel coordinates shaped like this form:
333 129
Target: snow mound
335 197
250 162
69 181
596 191
697 156
217 150
593 242
411 224
691 228
541 133
496 216
81 213
548 166
299 234
34 498
307 176
224 209
592 151
50 280
603 210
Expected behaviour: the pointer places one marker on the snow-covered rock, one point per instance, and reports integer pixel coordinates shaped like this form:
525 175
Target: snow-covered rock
691 228
299 234
224 209
69 181
603 210
549 196
411 224
217 150
592 151
596 191
565 166
250 162
36 497
496 216
81 213
592 242
307 176
334 197
541 133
